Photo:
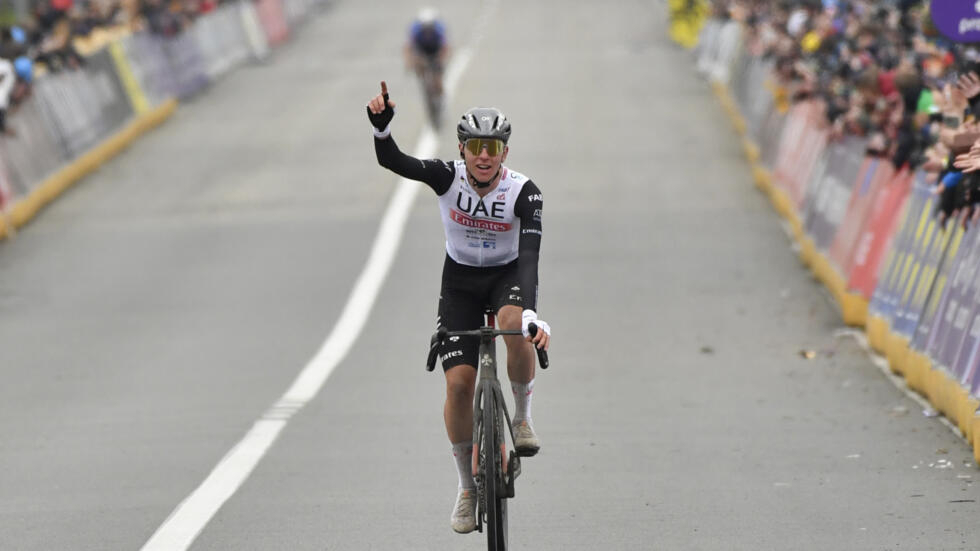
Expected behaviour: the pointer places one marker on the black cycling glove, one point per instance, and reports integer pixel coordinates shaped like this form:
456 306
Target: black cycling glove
381 120
948 199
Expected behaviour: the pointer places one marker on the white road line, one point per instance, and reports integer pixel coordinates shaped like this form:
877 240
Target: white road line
184 524
182 527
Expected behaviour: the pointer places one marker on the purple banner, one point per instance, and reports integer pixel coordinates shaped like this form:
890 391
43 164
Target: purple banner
961 319
908 240
959 20
938 291
963 363
907 316
938 345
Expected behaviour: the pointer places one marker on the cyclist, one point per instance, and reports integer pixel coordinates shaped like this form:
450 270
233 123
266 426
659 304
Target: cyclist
426 42
492 221
427 49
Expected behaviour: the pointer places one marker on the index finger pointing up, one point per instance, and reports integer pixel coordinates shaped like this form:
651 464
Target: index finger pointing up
384 89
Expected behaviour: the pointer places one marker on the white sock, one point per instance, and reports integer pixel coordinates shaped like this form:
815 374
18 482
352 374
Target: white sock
463 454
522 400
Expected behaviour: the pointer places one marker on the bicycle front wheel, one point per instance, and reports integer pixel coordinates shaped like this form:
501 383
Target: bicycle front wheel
494 494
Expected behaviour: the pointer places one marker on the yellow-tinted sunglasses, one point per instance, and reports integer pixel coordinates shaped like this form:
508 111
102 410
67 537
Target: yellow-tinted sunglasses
494 147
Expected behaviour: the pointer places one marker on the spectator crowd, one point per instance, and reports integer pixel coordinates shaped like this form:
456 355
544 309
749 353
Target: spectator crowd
57 33
879 70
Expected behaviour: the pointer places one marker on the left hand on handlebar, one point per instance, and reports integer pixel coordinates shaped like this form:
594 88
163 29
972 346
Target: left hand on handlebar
543 336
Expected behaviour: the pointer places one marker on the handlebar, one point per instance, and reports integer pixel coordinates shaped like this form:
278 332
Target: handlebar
442 333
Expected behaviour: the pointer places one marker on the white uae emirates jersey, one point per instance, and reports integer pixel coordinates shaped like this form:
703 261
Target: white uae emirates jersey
482 231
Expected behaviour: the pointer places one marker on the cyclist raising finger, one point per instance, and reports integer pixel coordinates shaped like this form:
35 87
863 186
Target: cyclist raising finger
492 221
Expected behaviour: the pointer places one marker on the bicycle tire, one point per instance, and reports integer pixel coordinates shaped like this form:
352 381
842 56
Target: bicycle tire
432 108
433 99
494 494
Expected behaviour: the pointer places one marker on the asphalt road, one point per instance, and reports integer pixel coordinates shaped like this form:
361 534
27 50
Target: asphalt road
156 310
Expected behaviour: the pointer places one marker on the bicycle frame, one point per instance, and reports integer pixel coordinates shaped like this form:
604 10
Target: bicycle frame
488 383
495 482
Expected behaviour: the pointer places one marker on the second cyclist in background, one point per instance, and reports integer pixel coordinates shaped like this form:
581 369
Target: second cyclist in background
426 53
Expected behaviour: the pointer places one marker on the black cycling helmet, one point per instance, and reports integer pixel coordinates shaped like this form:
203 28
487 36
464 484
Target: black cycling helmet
483 122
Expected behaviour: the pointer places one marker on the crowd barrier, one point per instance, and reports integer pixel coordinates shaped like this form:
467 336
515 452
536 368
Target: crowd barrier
867 230
74 120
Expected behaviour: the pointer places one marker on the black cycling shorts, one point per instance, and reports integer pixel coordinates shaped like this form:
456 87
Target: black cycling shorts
467 292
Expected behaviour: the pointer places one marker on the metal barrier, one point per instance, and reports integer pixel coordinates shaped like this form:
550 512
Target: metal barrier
959 303
722 45
35 152
252 28
296 10
71 112
938 292
921 267
75 102
868 231
221 38
887 295
755 106
830 196
111 96
272 20
186 63
150 66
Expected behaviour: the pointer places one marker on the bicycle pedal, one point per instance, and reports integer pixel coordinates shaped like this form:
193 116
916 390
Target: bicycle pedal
527 452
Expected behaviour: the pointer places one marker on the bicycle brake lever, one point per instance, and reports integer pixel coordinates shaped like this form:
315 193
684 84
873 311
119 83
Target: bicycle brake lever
437 338
542 354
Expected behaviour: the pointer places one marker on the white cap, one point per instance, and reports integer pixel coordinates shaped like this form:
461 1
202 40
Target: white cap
428 15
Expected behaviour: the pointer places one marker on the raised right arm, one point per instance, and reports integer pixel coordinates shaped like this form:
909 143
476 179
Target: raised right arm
437 174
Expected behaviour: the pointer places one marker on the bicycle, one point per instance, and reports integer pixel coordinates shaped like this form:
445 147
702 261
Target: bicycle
430 76
493 468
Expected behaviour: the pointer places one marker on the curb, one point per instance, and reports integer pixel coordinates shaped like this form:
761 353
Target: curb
27 208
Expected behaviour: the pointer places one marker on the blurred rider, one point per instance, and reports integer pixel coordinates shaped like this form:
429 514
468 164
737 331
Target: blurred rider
427 45
492 220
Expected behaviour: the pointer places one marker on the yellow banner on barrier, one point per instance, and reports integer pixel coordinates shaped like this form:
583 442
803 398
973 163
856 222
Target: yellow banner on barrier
133 89
926 281
910 255
937 293
919 259
686 19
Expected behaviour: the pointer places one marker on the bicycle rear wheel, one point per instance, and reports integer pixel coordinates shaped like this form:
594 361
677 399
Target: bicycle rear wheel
494 491
432 89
